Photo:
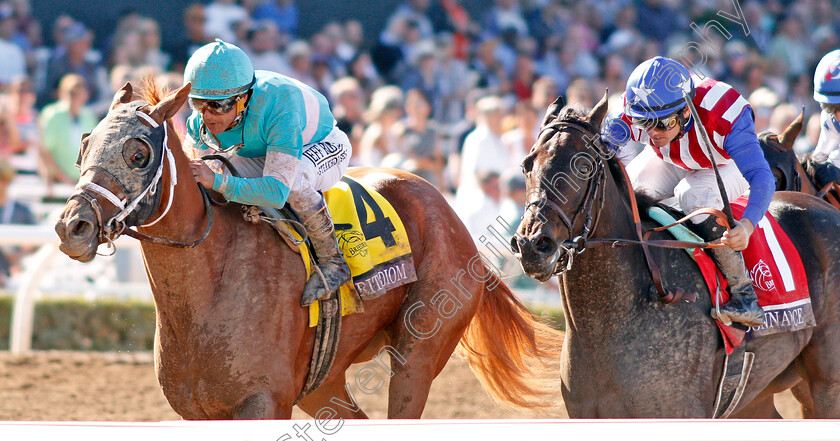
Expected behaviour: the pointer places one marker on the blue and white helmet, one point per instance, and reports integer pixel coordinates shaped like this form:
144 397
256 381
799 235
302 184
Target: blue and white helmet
827 79
657 88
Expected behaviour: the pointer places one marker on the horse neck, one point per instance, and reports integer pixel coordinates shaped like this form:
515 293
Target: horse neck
179 276
807 186
604 283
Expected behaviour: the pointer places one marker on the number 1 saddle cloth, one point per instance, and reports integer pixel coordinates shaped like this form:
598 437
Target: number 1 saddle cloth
776 271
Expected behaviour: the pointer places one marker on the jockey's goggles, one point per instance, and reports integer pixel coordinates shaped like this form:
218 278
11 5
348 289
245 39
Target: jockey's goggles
216 107
660 124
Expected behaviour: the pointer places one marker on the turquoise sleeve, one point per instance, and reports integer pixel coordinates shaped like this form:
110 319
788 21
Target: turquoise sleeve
264 192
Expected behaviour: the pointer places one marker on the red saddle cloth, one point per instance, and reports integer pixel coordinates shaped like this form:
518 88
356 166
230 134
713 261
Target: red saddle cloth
778 279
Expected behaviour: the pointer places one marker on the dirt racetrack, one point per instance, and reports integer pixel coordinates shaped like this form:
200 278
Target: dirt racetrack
79 386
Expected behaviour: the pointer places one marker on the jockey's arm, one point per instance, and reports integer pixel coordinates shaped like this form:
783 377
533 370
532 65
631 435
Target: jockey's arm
829 141
282 161
616 133
266 191
742 145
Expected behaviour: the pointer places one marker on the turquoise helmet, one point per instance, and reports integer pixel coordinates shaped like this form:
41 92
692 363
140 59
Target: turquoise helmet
657 88
219 70
827 79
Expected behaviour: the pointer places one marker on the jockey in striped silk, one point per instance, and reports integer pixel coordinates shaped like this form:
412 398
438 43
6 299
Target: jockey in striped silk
280 135
675 161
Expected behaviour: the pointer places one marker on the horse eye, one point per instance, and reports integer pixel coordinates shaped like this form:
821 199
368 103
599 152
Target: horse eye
136 154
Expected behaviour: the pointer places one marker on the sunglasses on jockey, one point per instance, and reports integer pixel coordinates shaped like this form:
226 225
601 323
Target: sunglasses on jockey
660 124
216 107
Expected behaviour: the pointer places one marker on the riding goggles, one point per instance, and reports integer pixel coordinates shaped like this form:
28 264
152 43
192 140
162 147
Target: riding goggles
216 107
660 124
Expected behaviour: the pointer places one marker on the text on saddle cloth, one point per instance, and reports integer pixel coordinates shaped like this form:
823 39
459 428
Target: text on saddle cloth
372 237
374 242
775 268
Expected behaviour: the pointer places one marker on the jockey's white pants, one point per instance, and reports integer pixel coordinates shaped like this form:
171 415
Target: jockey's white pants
322 164
693 189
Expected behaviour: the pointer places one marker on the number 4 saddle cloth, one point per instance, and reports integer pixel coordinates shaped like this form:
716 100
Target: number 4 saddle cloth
776 271
373 240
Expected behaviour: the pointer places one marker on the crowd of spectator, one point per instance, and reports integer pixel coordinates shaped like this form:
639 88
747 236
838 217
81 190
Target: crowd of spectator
451 94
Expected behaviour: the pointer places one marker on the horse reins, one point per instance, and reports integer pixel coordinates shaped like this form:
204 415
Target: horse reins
114 227
825 193
576 245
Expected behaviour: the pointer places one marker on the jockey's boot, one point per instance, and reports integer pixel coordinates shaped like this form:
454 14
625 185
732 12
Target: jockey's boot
332 271
743 304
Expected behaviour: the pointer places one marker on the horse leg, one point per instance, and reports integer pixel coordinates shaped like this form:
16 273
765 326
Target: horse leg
821 364
802 392
762 407
261 406
333 397
424 337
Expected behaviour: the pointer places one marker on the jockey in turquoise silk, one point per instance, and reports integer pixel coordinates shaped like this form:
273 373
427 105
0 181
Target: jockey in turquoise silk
281 136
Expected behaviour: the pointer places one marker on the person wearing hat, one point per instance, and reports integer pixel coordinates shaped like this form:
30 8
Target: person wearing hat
75 57
675 162
281 136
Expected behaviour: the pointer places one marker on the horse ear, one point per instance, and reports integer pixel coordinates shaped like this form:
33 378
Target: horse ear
596 116
790 133
169 106
123 96
553 110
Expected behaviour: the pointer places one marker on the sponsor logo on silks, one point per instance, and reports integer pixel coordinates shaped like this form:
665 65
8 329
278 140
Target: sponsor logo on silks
762 277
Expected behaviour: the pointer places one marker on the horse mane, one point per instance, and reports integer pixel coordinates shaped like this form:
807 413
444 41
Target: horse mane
573 112
151 91
578 114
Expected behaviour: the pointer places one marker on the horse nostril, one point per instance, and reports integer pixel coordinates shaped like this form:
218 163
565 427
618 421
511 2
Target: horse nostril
514 245
545 245
81 229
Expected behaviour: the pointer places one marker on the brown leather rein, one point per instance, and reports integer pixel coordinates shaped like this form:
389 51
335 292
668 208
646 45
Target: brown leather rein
825 193
578 244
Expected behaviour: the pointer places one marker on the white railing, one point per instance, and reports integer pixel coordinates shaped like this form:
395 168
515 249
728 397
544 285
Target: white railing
35 269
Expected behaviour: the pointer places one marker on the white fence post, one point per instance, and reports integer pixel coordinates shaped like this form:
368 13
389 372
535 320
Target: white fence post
43 236
20 338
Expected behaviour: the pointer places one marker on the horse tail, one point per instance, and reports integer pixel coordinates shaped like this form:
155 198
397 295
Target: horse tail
507 348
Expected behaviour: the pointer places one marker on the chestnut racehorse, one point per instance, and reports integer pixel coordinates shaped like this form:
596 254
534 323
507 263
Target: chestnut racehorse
626 354
232 340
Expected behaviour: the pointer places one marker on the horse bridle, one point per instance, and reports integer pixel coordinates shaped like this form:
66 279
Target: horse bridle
117 225
575 245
